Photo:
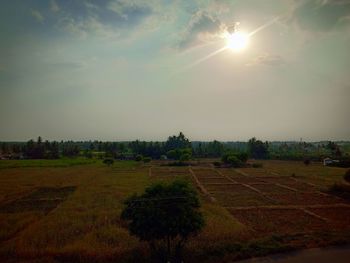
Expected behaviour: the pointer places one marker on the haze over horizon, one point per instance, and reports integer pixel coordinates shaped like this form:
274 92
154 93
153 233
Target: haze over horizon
119 70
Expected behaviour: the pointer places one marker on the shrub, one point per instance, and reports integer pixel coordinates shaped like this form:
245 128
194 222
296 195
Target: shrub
347 176
147 159
108 161
165 214
177 154
241 156
234 161
138 158
185 157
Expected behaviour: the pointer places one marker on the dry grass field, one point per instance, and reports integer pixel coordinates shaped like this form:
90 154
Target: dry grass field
62 213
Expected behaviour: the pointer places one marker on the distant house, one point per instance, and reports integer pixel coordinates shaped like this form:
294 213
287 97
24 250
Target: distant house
328 161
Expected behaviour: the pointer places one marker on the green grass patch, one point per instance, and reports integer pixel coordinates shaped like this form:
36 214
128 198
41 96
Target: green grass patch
66 162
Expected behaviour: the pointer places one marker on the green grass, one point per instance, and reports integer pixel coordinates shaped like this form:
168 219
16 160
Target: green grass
64 162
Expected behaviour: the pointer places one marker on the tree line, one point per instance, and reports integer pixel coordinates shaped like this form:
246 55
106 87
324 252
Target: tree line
175 147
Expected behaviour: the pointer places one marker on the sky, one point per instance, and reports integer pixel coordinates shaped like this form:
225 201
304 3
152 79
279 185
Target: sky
127 69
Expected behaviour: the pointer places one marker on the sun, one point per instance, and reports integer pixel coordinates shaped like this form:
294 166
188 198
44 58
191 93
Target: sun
237 41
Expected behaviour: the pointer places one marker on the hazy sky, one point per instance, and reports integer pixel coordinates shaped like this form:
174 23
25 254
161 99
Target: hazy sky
126 69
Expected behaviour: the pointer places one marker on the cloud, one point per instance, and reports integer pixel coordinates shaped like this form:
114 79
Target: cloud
322 15
129 10
64 65
267 60
54 6
201 26
37 15
104 18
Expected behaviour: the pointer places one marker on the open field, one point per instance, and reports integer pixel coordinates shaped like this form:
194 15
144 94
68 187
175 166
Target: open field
60 213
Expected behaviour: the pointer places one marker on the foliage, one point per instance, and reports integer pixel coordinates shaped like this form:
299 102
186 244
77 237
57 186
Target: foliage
63 162
234 159
209 149
147 159
185 157
108 161
138 158
176 154
177 142
258 149
167 213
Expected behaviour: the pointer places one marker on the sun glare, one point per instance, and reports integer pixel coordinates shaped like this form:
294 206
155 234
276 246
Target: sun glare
237 41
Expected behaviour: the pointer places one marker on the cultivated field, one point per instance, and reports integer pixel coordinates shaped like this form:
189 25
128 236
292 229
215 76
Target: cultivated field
70 212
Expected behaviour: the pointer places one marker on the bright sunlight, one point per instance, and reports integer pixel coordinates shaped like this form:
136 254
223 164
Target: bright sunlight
237 41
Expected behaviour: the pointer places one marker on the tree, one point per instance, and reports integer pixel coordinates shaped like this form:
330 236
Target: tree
257 149
108 161
185 157
166 214
177 153
177 142
147 159
138 158
235 159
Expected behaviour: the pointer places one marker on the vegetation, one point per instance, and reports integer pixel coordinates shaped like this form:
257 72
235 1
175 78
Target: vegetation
147 159
178 154
234 159
172 148
257 149
138 158
164 212
108 161
85 226
63 162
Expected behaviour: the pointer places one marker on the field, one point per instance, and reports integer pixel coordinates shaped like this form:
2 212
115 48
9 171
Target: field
69 211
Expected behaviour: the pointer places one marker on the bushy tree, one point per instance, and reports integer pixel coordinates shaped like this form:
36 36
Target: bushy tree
138 158
164 215
258 149
147 159
234 159
108 161
185 157
176 154
177 142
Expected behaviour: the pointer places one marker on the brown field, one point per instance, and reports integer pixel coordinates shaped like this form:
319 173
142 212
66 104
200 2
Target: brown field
60 214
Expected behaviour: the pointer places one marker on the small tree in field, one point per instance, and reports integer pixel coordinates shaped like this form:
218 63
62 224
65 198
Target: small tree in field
138 158
108 161
165 216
